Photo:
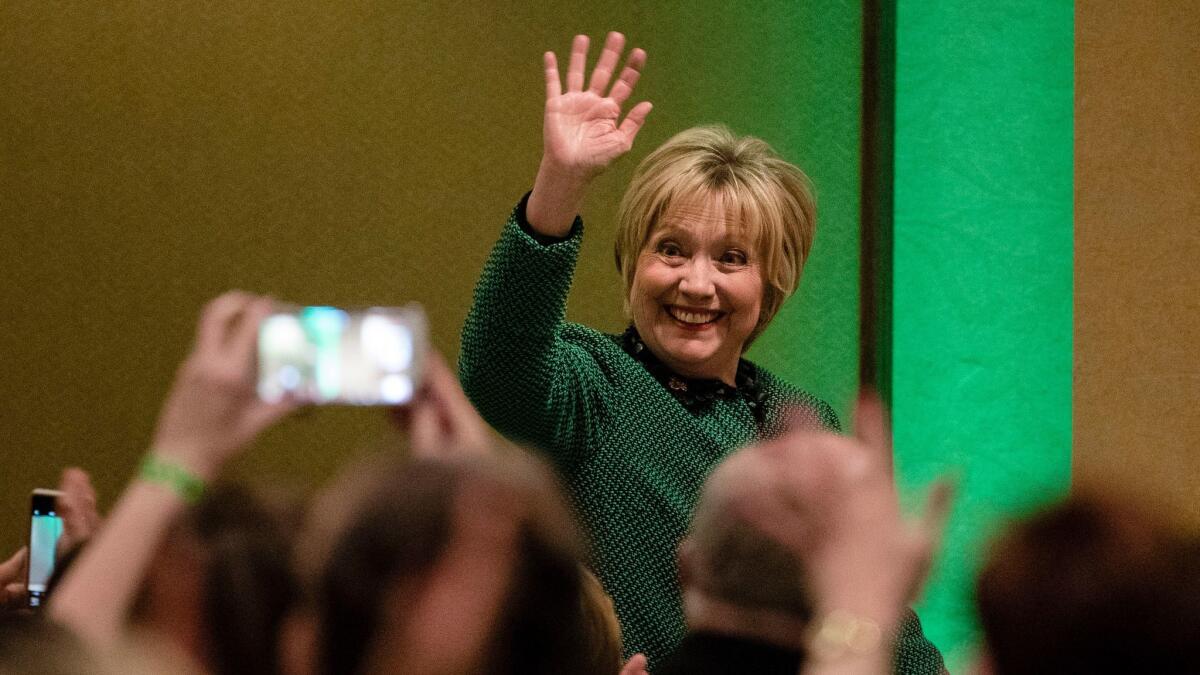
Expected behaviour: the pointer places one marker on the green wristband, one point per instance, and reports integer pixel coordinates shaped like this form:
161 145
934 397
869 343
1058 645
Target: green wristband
177 479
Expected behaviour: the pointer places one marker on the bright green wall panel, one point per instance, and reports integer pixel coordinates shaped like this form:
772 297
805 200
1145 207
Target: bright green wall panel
817 76
983 272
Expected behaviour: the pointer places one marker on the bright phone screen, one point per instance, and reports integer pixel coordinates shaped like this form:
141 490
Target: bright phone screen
330 355
45 527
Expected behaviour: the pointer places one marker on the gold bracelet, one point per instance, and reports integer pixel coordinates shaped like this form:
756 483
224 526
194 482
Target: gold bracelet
841 633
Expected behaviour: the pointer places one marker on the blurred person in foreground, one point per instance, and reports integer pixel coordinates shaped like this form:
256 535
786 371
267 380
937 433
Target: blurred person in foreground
1096 584
32 646
712 235
210 416
461 559
472 567
770 568
491 535
221 581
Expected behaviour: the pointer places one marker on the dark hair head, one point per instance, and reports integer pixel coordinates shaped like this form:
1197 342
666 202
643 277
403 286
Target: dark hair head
389 522
249 585
239 541
1095 586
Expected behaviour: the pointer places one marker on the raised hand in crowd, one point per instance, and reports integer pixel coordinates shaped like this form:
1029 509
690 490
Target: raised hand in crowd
863 561
583 131
440 421
210 415
213 411
77 508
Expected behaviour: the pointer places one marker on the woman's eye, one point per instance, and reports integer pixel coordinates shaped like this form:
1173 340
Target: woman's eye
670 249
734 257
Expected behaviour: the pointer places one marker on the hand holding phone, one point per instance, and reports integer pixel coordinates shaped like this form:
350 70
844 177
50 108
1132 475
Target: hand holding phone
45 527
212 412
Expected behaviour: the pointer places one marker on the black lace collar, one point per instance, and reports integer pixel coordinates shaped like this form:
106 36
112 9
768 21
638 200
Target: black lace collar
694 392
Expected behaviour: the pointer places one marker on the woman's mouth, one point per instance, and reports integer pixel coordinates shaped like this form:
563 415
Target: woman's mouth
693 319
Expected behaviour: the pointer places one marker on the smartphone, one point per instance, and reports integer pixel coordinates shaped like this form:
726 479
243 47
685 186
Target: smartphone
45 527
325 355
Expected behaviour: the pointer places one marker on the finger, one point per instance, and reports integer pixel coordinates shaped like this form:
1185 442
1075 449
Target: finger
424 435
579 50
635 666
14 595
458 414
634 120
871 427
938 504
926 537
14 567
623 87
74 524
243 339
553 83
614 44
215 321
77 505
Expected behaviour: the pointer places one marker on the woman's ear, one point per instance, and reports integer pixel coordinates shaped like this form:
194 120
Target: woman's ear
298 643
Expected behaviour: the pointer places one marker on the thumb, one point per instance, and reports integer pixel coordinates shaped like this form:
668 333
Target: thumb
635 666
872 428
11 569
925 536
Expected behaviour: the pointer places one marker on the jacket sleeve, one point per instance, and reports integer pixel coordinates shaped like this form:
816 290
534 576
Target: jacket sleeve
525 379
915 654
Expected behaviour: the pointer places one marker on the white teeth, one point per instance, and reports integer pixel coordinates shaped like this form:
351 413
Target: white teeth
692 317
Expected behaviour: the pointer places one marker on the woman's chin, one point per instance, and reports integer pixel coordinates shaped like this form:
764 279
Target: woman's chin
692 362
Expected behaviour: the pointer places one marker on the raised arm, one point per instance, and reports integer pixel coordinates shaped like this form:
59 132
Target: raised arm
211 414
525 379
582 132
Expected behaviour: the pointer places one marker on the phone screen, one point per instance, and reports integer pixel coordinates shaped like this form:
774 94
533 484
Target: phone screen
331 355
45 527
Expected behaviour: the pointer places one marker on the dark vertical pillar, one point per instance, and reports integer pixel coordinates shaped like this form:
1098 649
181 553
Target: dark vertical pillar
878 127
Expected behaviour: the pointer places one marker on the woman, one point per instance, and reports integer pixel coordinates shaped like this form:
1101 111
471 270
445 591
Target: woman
712 235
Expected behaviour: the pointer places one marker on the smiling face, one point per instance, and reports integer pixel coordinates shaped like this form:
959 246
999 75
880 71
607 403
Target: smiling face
697 290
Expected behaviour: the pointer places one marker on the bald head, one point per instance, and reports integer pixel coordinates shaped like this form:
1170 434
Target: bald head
728 559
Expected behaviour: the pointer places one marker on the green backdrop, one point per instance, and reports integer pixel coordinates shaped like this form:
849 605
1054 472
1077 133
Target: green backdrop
983 272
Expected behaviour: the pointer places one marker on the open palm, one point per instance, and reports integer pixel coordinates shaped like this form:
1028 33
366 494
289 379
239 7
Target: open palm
583 130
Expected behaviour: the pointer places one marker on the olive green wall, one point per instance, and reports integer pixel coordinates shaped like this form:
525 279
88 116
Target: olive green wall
155 154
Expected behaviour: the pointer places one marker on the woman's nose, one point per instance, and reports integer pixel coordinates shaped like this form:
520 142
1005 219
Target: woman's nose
697 279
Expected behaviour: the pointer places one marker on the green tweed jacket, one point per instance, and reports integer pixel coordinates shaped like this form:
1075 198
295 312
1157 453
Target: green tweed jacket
633 442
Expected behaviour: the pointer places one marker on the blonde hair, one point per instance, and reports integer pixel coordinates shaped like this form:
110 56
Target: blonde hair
602 641
760 191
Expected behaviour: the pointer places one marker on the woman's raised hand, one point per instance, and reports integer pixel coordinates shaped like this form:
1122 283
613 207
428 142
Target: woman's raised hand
581 131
